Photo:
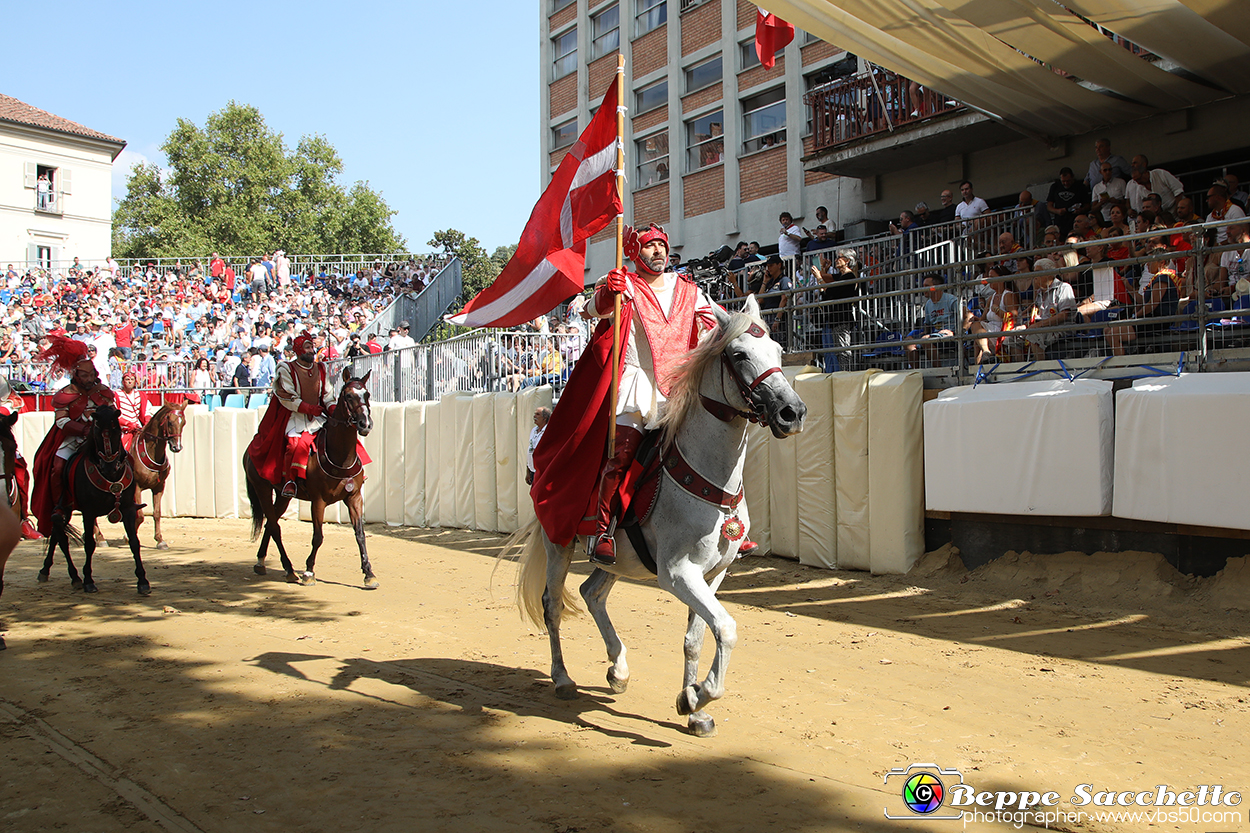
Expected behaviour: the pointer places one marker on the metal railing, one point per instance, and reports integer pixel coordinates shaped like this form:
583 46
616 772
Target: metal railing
476 362
301 264
424 310
870 103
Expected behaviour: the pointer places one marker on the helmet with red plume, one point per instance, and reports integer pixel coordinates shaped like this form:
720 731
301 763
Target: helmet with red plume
65 353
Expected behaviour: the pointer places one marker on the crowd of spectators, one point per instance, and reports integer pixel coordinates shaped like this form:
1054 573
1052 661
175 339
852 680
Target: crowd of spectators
219 327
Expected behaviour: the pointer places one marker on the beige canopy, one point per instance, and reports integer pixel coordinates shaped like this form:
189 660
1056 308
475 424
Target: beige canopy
1036 65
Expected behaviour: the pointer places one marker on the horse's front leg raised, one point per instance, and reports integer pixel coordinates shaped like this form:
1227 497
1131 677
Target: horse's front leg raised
594 592
356 510
130 522
156 514
687 583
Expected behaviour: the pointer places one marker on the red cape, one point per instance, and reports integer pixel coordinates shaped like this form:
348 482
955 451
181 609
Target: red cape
268 448
571 453
41 472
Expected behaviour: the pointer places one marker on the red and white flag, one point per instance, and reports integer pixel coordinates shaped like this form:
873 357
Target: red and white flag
771 34
550 260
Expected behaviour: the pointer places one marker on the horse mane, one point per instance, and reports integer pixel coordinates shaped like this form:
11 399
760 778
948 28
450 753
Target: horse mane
683 397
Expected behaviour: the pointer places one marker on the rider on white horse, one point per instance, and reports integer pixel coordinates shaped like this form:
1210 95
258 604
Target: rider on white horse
663 315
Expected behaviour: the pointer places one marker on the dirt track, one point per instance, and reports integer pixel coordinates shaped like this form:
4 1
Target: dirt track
228 701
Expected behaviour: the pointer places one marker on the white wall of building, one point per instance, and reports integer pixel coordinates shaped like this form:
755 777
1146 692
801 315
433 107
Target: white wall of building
83 180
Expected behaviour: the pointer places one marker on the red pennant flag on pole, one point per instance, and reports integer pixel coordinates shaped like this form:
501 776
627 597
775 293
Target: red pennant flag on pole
550 260
771 34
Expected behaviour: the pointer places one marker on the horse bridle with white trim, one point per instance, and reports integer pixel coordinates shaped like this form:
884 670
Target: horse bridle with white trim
755 411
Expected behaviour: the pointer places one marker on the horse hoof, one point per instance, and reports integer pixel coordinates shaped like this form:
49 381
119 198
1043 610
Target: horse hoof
258 569
76 584
161 545
2 645
701 725
292 578
688 700
371 583
617 684
145 589
566 692
89 587
308 579
42 577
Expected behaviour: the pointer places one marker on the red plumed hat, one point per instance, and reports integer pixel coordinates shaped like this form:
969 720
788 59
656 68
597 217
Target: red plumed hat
306 339
64 353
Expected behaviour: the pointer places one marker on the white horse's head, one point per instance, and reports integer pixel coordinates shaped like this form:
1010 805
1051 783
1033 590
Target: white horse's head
753 361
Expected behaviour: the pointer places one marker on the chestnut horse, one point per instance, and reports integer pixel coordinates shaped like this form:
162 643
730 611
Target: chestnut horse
335 473
8 459
149 457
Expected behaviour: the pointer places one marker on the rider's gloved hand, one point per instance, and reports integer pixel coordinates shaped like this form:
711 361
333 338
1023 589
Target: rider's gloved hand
616 280
613 284
309 409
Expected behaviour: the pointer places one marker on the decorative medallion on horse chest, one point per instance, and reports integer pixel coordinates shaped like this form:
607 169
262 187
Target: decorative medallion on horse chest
733 529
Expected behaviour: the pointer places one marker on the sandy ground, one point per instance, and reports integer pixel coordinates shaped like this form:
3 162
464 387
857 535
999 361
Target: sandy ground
233 702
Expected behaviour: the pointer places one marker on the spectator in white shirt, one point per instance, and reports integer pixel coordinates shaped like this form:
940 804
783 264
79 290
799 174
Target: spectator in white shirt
1108 192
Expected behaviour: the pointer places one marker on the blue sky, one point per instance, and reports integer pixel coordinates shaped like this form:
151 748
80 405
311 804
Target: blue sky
436 106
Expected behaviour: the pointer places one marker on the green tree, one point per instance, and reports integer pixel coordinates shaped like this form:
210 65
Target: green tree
233 186
477 268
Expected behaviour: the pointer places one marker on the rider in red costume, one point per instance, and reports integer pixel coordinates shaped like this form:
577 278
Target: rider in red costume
12 403
74 405
662 316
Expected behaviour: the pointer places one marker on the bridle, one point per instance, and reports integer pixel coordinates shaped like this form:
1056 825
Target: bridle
329 467
103 442
355 418
160 439
756 412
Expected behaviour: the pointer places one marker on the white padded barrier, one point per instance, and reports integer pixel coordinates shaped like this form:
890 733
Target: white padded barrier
850 448
783 485
394 439
433 467
816 473
1048 443
1178 450
414 463
506 459
755 484
895 472
527 401
485 504
463 444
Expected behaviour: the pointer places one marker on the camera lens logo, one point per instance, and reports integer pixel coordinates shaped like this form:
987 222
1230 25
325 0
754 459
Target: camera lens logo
923 793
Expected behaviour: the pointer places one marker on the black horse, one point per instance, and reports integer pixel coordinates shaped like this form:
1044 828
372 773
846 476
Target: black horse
8 459
101 482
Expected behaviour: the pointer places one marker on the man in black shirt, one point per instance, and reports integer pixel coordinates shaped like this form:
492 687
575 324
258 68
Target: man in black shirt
1068 197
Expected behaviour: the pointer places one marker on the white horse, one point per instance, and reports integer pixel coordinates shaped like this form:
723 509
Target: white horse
732 376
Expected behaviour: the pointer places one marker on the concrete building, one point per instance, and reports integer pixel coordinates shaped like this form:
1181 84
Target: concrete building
717 146
714 142
55 188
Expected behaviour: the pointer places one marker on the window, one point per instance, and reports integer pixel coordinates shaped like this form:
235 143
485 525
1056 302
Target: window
563 135
764 120
605 27
703 75
556 5
564 53
749 56
705 140
652 155
649 98
47 189
649 14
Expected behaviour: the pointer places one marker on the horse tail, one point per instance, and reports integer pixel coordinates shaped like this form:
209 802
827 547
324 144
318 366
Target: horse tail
71 533
253 498
531 581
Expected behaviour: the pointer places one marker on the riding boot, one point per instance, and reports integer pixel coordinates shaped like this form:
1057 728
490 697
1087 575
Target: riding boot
627 441
56 482
288 465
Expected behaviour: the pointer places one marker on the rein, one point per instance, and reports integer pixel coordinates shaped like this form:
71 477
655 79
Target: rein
145 456
726 412
328 467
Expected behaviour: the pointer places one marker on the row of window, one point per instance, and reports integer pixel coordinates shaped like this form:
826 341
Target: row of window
605 32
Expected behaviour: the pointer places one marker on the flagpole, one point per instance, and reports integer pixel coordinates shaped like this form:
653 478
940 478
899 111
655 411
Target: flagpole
620 260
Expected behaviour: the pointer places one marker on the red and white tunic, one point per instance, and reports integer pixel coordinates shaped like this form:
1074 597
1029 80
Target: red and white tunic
134 409
660 335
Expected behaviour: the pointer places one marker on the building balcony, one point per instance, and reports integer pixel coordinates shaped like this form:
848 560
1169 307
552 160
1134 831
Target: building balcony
877 121
48 202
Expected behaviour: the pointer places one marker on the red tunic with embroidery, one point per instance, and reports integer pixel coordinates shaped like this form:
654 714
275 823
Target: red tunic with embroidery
75 403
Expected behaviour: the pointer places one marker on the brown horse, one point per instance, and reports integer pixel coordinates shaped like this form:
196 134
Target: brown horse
149 457
335 473
8 459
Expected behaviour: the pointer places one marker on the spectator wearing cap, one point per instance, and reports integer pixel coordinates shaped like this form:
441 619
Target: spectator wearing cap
355 349
401 338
